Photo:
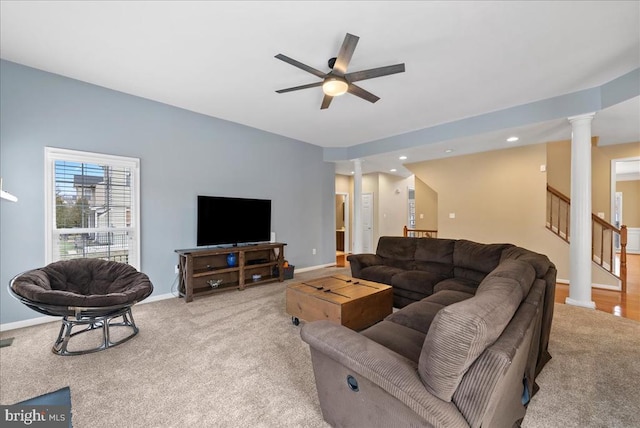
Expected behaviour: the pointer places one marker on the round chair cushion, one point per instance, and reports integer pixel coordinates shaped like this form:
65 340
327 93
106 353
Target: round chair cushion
83 283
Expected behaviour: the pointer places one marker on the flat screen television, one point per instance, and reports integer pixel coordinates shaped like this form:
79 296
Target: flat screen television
224 220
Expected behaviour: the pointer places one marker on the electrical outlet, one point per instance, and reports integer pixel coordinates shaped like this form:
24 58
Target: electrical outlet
176 269
313 251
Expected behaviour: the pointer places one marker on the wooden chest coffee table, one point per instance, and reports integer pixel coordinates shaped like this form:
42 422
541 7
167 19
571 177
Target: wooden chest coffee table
352 302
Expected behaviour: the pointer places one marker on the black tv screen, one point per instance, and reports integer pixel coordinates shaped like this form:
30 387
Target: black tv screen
224 220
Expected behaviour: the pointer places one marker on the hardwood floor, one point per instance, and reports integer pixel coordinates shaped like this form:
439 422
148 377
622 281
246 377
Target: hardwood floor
623 305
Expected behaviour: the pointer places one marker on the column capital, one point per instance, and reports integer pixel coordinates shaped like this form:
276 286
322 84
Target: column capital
587 116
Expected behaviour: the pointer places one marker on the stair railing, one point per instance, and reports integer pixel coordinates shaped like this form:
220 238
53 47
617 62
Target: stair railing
606 238
419 233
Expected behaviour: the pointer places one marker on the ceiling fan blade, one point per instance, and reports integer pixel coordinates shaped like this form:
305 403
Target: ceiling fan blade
297 88
374 72
345 54
359 92
326 101
301 66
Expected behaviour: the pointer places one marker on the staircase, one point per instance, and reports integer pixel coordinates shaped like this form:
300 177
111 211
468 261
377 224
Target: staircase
609 244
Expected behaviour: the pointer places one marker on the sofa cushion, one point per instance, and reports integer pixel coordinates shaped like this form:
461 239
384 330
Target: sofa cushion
448 297
420 315
435 255
380 273
522 272
402 298
460 332
473 260
540 262
397 337
416 280
396 248
397 251
402 264
458 284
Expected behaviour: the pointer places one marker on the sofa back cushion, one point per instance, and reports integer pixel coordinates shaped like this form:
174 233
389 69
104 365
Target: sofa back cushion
435 255
473 260
520 271
540 262
460 332
397 251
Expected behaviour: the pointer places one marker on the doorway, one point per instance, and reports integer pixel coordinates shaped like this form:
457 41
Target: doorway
343 235
625 172
367 223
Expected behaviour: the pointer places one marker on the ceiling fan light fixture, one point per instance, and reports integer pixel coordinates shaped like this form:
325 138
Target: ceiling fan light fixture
334 86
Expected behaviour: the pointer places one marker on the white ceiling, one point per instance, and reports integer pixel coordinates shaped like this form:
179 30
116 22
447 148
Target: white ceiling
463 59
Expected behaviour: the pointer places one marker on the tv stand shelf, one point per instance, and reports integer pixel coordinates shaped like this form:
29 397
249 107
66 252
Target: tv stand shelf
204 271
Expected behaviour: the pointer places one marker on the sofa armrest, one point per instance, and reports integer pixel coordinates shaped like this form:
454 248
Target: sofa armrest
361 261
396 375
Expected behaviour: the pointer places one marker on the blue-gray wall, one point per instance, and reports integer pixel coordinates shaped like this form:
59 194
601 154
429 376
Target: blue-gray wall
182 154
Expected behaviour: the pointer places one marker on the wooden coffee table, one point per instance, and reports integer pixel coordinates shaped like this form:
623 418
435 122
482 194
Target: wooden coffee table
352 302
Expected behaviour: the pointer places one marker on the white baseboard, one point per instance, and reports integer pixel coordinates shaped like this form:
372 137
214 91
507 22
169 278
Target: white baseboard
27 323
153 298
594 285
46 319
583 304
307 269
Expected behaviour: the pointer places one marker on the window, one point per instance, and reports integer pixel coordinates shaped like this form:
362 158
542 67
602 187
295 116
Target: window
92 206
412 209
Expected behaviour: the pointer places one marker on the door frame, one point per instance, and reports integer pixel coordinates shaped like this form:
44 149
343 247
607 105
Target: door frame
613 188
347 221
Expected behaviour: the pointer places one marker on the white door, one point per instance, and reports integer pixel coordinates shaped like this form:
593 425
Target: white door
367 223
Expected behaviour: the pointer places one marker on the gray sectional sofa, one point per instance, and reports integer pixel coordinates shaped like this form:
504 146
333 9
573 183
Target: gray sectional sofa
464 348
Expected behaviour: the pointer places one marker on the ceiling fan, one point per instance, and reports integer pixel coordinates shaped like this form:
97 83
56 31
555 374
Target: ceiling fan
338 81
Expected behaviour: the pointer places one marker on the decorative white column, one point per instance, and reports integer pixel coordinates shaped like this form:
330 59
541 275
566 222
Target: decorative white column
580 228
357 206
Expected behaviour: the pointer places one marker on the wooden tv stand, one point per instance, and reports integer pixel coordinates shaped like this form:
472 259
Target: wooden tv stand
204 271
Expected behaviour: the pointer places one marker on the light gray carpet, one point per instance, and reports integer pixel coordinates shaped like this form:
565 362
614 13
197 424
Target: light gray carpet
235 359
593 379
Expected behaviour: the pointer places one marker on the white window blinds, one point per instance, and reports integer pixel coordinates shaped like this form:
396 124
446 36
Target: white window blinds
92 206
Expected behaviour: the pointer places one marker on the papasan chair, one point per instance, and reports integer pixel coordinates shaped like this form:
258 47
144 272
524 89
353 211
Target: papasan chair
89 293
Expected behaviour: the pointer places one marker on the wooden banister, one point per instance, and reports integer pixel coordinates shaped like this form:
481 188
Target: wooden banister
419 233
558 194
603 244
623 257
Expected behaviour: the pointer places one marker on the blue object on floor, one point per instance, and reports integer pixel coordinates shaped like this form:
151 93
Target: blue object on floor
60 398
525 392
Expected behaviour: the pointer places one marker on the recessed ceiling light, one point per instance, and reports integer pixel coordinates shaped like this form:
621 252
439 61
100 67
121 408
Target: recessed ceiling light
402 157
512 139
393 170
353 172
448 151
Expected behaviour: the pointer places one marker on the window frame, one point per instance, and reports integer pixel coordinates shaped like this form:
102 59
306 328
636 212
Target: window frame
51 155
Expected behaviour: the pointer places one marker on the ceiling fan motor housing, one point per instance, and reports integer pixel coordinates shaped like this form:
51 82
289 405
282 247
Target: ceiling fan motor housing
338 81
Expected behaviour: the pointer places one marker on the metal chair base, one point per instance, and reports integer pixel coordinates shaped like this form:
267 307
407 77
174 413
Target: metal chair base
93 322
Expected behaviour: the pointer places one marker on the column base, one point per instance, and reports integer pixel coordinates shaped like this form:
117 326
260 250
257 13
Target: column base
581 303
